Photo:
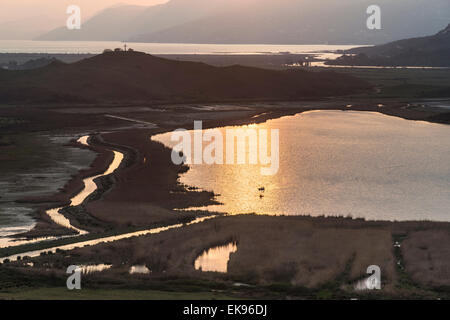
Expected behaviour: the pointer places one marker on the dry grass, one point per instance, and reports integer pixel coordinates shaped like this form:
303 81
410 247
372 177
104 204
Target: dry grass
300 251
297 251
291 250
427 256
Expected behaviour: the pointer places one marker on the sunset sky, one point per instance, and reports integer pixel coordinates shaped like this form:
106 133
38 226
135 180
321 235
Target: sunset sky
11 10
26 19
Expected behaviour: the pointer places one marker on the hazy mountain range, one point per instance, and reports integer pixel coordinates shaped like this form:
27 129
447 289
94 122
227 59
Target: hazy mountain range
134 76
21 29
262 21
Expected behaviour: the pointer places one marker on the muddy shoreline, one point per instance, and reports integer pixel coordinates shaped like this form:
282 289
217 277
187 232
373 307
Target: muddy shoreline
144 192
135 144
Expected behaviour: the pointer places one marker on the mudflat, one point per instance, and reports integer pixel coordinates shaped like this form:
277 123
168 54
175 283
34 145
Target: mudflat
309 256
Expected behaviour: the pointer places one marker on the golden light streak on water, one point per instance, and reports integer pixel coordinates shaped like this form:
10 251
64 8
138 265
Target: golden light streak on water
55 213
215 259
94 242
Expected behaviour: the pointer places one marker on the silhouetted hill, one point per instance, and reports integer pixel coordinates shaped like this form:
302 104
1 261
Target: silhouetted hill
28 65
432 51
135 76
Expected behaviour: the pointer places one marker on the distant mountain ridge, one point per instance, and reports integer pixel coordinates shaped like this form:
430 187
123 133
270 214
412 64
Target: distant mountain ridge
134 76
262 22
120 23
431 51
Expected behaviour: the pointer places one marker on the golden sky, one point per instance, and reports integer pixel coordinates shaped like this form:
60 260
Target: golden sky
11 10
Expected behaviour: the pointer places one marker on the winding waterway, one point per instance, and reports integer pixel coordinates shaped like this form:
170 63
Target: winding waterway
89 187
362 164
57 217
93 242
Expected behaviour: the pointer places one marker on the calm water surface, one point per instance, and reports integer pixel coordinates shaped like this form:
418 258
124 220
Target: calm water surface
215 259
340 163
43 172
106 239
28 46
139 270
88 269
89 187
